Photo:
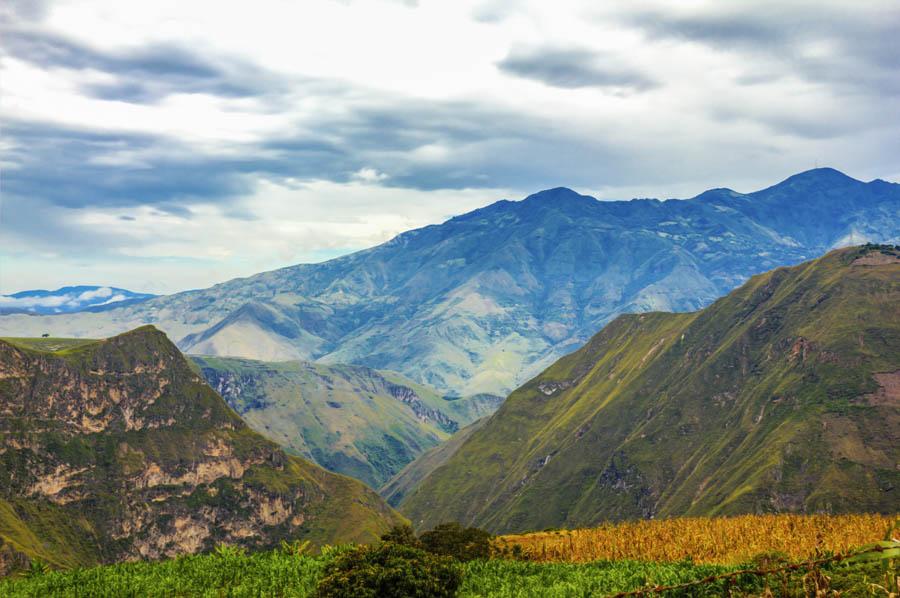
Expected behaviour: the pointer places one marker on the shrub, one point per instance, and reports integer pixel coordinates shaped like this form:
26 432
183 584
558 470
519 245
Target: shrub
454 540
389 570
402 534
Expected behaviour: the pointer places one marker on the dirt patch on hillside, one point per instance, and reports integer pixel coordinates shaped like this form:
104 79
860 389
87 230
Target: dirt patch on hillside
876 258
888 392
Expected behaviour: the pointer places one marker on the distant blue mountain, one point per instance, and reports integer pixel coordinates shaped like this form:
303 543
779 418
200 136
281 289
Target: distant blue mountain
68 300
489 299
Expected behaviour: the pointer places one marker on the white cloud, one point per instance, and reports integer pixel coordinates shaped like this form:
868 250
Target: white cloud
101 293
369 175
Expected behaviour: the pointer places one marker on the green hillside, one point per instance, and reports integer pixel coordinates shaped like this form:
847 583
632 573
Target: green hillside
349 419
410 476
781 396
117 449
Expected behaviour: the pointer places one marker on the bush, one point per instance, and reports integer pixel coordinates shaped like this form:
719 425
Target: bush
454 540
389 570
402 534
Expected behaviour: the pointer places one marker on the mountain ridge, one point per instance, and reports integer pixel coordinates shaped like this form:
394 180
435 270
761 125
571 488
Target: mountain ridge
487 299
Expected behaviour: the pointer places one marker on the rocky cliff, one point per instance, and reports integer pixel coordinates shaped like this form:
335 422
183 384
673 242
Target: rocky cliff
118 449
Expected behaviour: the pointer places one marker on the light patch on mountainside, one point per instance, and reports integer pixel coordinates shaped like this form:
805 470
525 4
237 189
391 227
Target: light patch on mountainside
247 339
466 301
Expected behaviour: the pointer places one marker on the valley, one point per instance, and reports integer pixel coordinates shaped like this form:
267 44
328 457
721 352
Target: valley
349 419
274 444
428 299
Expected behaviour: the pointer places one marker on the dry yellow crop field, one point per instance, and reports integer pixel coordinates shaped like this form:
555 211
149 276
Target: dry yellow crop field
722 540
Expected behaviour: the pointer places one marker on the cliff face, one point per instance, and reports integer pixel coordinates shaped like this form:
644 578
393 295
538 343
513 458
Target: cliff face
118 449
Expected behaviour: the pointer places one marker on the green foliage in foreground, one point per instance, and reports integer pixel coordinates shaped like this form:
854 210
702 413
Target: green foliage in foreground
389 571
454 540
285 573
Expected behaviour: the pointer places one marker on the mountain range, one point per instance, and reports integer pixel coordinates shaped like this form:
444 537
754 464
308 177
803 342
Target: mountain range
118 449
353 420
488 299
69 300
783 396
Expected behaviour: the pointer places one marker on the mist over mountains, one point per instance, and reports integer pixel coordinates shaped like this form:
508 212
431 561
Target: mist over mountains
488 299
69 300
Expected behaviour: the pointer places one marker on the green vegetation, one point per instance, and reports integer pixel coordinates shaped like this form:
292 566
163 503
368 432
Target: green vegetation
49 344
461 543
410 476
447 539
780 397
389 571
283 573
353 420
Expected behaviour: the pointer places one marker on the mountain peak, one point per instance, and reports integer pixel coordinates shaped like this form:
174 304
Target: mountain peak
819 176
558 195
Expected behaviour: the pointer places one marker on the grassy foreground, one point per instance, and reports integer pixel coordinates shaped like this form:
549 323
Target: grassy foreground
598 562
276 573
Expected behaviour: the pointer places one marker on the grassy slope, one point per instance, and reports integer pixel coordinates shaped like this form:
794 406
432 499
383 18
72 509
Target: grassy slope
345 418
752 404
335 508
49 345
410 476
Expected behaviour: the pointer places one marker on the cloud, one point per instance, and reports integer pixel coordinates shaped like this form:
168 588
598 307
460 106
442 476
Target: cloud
140 140
574 68
66 167
101 293
141 75
56 299
369 175
848 45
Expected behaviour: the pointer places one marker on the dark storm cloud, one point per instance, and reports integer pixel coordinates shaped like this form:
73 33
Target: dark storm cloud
143 75
573 68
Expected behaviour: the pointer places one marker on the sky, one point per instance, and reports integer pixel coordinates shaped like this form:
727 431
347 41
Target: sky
168 145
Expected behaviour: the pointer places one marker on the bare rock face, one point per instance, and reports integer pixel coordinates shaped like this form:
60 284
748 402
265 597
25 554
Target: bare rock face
125 442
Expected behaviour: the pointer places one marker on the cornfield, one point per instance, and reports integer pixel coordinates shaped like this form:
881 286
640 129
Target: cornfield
724 540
